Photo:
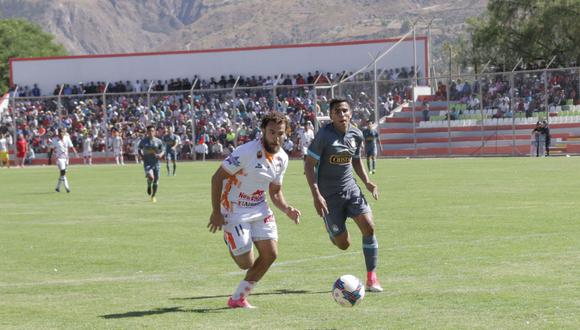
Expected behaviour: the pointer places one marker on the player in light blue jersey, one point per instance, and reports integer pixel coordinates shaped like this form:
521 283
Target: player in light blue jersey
151 151
335 153
371 137
172 141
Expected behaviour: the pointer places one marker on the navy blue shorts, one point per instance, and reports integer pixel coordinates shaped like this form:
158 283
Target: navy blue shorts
154 168
371 151
171 154
349 203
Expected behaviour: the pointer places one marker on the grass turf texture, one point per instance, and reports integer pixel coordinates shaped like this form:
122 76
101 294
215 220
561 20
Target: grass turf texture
464 243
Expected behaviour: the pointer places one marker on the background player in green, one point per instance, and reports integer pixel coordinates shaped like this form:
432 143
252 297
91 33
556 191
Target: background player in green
172 141
335 152
371 137
151 151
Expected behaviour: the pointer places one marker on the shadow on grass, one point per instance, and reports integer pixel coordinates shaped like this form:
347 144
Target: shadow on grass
256 294
158 311
180 309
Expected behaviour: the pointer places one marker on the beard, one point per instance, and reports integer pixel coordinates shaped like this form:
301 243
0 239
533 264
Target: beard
271 149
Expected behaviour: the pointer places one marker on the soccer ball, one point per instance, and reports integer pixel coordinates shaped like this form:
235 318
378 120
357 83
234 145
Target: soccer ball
348 291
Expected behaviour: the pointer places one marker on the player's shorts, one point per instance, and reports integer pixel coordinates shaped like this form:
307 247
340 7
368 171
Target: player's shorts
62 163
151 168
372 151
304 151
4 156
171 154
240 236
348 203
87 154
21 154
118 153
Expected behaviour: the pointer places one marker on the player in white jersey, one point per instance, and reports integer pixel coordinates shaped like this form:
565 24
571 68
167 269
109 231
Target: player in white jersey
60 146
240 207
117 144
306 136
88 149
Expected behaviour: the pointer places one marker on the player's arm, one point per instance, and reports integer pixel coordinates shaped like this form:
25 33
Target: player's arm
216 220
358 167
278 199
72 147
319 201
162 152
177 143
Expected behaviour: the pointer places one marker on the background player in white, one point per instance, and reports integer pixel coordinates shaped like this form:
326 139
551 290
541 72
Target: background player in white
117 144
60 145
306 136
88 149
4 145
239 203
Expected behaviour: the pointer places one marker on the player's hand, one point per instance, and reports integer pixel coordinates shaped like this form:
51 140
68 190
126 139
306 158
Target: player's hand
293 214
373 189
320 205
216 222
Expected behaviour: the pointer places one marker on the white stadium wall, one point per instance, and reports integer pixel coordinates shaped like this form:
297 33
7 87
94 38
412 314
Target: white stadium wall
47 72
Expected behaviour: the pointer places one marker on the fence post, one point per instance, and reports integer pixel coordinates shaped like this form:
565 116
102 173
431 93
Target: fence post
106 115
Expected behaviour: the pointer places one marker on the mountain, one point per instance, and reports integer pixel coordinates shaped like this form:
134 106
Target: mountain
122 26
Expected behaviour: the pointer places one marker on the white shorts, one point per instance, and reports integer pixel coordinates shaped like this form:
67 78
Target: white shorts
62 163
118 153
87 154
240 235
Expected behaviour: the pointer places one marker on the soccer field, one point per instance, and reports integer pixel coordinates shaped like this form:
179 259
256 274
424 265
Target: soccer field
488 243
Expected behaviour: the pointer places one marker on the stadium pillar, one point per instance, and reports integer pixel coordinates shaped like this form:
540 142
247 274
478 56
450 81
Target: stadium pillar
482 114
448 91
414 87
512 94
546 92
106 110
15 127
481 77
59 105
193 142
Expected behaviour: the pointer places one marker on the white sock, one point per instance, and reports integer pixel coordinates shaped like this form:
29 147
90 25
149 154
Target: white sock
65 181
244 289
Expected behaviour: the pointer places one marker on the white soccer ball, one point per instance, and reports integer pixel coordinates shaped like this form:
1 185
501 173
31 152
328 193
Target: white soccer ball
348 291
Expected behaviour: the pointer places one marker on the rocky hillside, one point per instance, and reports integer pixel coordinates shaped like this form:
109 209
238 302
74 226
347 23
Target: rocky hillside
121 26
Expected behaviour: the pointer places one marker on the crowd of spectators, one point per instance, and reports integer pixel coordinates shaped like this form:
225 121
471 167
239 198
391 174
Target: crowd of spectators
529 93
215 119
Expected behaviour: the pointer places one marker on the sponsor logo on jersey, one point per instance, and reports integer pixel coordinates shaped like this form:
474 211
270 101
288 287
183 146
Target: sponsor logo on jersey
340 159
351 142
256 198
233 160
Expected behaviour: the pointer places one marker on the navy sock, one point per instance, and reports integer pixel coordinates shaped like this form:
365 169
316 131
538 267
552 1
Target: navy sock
154 189
371 252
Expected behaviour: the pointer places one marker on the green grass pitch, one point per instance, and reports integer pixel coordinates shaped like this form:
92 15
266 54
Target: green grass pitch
488 243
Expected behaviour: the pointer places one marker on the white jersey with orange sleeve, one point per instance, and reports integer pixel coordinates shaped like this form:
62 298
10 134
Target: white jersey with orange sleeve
252 170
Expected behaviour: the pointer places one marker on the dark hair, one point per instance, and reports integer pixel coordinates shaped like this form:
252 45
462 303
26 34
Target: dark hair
335 102
150 127
276 117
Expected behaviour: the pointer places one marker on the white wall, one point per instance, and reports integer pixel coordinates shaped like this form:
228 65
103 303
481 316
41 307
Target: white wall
291 59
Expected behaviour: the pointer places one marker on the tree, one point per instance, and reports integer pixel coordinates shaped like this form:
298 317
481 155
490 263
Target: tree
20 38
534 30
